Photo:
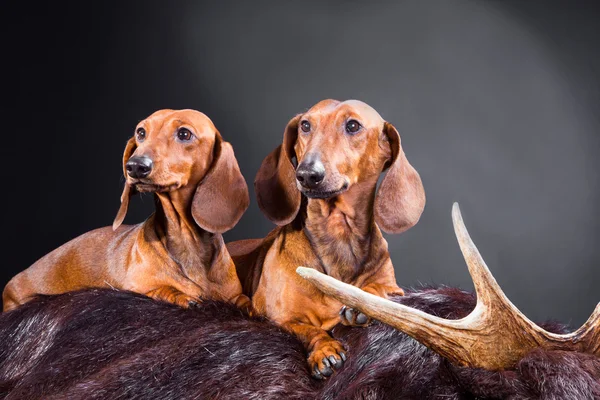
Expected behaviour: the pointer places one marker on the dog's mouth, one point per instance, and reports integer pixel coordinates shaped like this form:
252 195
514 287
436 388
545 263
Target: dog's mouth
324 194
151 187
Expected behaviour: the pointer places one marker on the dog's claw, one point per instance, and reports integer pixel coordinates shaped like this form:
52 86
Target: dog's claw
348 314
361 319
335 363
316 374
327 371
351 317
193 304
326 359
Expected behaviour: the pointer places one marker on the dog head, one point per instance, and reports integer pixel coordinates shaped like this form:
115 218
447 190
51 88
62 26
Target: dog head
331 148
176 150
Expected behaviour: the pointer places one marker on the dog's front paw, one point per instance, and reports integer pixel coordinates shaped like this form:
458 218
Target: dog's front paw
193 303
185 301
244 303
172 295
352 317
325 358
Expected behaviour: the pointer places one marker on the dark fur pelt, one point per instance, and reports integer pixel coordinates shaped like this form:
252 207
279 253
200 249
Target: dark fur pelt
103 344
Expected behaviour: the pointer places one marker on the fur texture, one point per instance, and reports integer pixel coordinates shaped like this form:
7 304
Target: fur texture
104 344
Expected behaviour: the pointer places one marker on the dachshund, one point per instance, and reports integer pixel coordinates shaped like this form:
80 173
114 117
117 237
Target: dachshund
320 188
178 254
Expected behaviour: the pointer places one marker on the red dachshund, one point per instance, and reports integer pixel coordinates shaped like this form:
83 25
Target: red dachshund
329 212
178 254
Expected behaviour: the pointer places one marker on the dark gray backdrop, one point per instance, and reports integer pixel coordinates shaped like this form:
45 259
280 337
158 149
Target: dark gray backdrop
497 104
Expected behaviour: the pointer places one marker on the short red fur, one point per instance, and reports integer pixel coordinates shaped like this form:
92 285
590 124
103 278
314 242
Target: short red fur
178 254
336 234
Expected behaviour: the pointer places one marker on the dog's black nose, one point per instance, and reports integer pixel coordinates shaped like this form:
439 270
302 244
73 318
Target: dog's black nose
310 174
139 167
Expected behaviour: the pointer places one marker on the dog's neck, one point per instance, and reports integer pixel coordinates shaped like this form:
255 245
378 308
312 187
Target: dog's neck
189 245
342 230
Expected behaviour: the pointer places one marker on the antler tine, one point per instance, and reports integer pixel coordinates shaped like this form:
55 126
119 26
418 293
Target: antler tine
589 333
489 293
586 338
495 335
486 287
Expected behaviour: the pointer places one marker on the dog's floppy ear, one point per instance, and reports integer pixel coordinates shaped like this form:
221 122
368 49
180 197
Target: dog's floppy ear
401 198
275 183
128 191
221 197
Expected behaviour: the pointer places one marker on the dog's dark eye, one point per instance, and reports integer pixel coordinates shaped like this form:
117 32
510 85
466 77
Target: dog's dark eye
184 134
305 126
352 126
141 134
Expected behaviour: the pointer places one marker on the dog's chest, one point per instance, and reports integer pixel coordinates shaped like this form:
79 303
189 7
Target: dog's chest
192 256
340 248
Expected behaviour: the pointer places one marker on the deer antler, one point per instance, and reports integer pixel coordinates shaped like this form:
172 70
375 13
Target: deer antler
495 335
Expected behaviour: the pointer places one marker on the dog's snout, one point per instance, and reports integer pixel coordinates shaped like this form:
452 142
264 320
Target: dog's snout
310 174
139 167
